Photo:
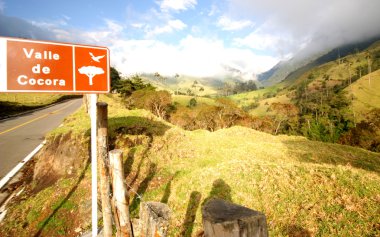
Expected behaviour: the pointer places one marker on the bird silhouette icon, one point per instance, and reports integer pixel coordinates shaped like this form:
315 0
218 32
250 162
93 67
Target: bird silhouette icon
96 58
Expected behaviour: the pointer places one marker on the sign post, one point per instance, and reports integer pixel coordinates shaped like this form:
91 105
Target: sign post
41 66
94 165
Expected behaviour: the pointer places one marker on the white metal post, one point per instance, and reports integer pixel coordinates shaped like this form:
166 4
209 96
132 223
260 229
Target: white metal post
94 166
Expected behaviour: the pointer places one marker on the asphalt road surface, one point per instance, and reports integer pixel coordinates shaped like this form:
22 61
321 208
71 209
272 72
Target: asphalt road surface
20 135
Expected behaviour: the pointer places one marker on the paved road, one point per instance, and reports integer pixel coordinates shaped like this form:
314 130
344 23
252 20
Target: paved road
20 135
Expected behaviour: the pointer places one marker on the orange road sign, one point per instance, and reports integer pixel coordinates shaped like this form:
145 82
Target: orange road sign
40 66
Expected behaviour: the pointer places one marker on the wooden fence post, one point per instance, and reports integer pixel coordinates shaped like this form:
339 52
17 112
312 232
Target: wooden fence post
154 219
103 161
224 219
120 195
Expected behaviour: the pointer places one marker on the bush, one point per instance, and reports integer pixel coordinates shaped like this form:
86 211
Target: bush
158 102
210 117
365 134
192 103
251 106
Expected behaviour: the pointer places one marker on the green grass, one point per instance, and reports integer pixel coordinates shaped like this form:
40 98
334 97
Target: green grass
322 189
259 97
248 97
366 96
54 211
304 188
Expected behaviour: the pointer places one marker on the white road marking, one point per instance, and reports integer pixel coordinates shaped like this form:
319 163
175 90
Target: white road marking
17 168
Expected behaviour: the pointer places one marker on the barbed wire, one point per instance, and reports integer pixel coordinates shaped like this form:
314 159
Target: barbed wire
106 162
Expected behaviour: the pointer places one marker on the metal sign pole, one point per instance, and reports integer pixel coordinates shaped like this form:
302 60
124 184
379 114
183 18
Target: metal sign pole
94 165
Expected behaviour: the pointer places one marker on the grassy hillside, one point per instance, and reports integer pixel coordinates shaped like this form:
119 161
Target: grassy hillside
183 83
185 99
263 98
325 78
304 188
366 94
301 63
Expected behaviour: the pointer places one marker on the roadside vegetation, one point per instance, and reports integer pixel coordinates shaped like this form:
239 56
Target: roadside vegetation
14 103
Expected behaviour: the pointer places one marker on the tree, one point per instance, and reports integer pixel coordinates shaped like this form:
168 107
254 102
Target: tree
115 79
368 56
244 86
192 103
197 87
366 134
158 102
91 72
228 113
127 86
158 76
284 113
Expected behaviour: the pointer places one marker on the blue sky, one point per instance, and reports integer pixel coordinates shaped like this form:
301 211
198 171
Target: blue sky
194 37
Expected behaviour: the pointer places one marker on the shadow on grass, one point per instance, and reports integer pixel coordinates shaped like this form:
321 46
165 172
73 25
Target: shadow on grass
296 231
220 189
191 211
144 129
62 203
143 187
134 125
129 162
131 159
167 192
335 154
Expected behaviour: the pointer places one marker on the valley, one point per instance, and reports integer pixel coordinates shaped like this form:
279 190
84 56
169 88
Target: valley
287 150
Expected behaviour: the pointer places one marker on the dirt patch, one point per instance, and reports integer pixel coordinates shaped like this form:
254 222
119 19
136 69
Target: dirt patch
62 156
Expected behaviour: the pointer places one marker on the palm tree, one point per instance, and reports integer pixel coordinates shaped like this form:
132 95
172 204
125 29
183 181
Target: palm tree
368 56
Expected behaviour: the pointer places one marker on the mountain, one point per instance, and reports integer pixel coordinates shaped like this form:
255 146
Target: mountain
182 83
320 74
268 74
336 101
301 63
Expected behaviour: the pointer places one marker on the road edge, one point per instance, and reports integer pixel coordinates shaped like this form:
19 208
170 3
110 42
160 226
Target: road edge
19 166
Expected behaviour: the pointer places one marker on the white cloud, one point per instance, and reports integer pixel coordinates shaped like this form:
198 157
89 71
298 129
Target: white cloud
192 56
316 25
51 24
177 24
260 39
177 5
107 35
171 25
228 24
214 10
138 25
